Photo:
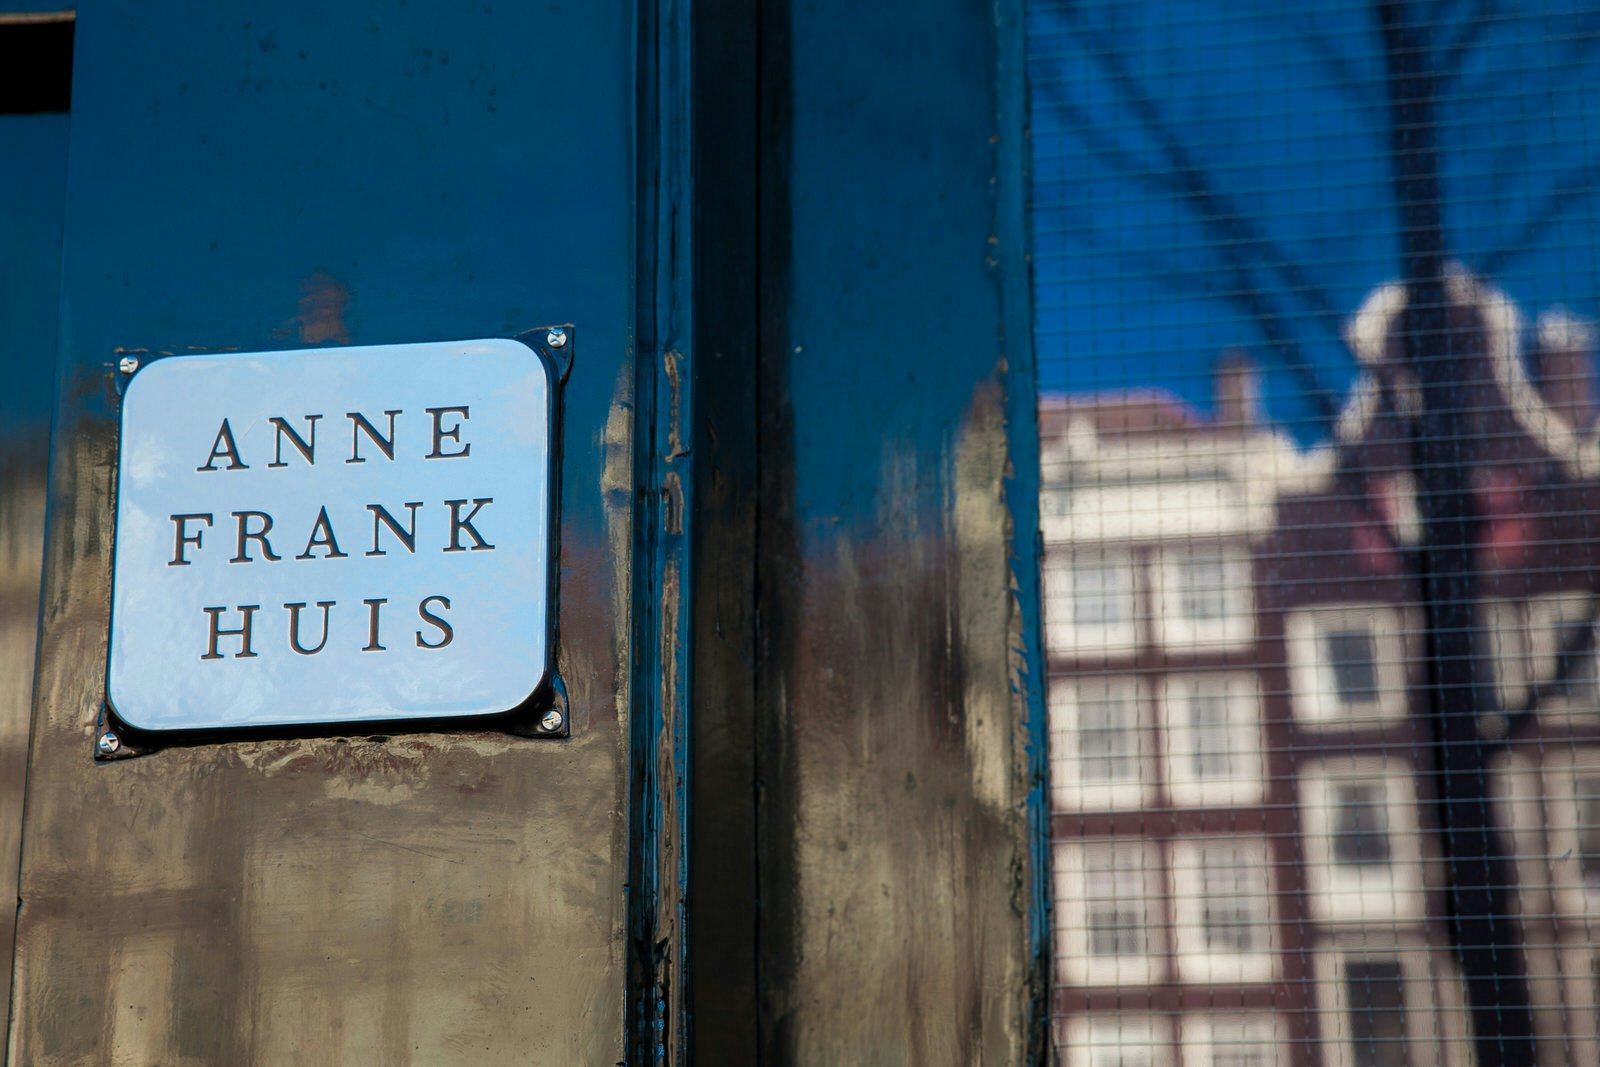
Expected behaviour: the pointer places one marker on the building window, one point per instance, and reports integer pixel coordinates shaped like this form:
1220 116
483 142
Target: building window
1572 789
1204 596
1116 1041
1380 1005
1361 824
1091 603
1554 623
1362 840
1213 738
1109 893
1508 636
1099 747
1222 891
1232 1041
1375 1013
1586 795
1347 665
1113 895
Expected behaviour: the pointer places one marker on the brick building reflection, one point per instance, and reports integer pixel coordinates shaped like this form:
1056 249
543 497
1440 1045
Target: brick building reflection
1245 866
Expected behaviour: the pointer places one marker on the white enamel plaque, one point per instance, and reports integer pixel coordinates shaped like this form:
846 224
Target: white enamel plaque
332 535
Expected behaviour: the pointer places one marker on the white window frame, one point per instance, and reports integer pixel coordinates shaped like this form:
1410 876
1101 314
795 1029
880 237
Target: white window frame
1196 961
1069 791
1236 629
1078 1037
1564 771
1579 984
1063 635
1508 630
1072 933
1547 617
1200 1037
1432 1028
1350 893
1244 730
1316 700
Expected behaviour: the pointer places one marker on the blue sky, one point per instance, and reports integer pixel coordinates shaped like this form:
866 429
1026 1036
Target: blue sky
1280 116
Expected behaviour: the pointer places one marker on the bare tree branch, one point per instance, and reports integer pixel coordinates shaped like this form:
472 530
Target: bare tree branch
1214 209
1576 49
1342 72
1448 66
1241 291
1577 185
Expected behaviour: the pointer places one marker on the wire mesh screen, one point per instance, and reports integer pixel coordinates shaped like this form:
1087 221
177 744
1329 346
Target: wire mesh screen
1315 289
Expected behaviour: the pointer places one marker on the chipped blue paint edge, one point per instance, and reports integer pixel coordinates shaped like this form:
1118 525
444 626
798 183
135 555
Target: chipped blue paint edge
1021 382
658 1020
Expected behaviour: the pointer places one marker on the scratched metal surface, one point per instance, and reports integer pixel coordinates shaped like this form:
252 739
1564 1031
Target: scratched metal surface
900 907
31 190
316 175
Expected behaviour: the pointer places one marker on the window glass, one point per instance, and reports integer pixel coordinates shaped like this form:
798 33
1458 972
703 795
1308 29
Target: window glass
1113 894
1213 735
1375 995
1352 656
1316 329
1361 824
1233 897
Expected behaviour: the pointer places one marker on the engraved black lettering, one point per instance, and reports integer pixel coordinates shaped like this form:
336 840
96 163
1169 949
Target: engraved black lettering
243 632
458 524
373 607
183 538
294 627
247 535
381 518
224 447
445 629
322 534
440 432
360 425
307 445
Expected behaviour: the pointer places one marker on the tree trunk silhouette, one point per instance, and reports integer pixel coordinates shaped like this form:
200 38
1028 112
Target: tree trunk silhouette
1461 689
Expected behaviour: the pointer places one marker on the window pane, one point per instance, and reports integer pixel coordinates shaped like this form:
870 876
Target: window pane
1212 754
1108 737
1114 896
1360 824
1102 593
1589 829
1233 896
1352 654
1375 995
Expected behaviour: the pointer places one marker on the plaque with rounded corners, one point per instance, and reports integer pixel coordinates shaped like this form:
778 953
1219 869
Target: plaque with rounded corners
338 535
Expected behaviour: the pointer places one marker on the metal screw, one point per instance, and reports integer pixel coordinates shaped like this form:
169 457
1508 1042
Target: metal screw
551 722
127 364
556 338
107 744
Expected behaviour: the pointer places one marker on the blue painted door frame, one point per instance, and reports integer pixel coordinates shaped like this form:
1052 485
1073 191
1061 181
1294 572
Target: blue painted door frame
798 608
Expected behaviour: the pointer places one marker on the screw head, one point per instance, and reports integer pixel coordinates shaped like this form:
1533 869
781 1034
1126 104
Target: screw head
551 722
127 364
556 338
107 744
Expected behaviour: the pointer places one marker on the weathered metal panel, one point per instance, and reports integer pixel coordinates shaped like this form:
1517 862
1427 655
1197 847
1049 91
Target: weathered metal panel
314 175
31 189
900 903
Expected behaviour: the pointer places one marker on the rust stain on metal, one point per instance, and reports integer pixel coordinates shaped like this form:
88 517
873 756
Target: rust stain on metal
672 363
